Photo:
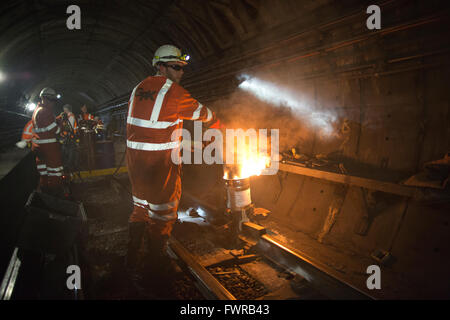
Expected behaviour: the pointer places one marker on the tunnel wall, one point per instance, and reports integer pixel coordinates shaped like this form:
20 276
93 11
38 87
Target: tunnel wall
396 122
389 89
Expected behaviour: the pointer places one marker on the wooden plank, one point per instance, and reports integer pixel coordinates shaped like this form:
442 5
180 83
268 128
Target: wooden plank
383 186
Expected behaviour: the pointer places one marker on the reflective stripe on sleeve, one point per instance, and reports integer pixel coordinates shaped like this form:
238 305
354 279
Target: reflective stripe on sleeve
43 173
41 166
159 100
196 113
153 125
47 128
41 141
29 129
209 115
145 146
130 109
55 169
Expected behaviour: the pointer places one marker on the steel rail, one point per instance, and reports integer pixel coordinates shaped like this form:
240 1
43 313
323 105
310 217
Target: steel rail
10 277
316 275
209 286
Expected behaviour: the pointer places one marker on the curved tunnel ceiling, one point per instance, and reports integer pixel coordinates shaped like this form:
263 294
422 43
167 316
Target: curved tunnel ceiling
113 50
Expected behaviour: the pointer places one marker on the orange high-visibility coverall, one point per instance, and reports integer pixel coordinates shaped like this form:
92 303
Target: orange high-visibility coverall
85 116
73 121
27 133
65 125
47 148
156 108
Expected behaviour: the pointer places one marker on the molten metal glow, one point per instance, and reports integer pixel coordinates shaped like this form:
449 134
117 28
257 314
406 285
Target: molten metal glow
249 165
253 165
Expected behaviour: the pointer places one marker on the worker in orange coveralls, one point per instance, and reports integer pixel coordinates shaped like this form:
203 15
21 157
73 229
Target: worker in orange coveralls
85 115
45 145
27 134
68 121
157 106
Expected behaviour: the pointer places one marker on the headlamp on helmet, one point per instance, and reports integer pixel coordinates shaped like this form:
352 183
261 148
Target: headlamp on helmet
169 53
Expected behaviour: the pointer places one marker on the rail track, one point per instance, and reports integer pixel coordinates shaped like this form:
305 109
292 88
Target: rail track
263 269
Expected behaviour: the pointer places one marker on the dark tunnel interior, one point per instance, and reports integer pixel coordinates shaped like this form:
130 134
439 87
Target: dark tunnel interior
352 182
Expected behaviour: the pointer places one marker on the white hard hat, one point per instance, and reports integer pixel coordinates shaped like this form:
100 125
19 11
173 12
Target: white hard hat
167 53
68 106
48 93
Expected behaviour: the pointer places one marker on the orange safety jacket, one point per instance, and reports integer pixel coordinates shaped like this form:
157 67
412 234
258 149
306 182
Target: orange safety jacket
72 121
46 147
86 116
157 107
27 133
45 127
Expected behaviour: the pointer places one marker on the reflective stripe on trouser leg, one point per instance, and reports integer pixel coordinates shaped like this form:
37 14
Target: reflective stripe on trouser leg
42 170
57 172
163 211
50 155
156 186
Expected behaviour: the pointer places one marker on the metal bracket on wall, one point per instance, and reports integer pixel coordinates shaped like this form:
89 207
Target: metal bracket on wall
363 224
333 211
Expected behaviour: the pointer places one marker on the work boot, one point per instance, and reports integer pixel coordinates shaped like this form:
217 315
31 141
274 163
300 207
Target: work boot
135 235
161 271
136 232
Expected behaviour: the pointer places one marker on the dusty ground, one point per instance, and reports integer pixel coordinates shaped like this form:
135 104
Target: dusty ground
108 206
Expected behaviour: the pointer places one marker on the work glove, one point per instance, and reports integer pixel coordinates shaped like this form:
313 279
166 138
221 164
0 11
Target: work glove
21 144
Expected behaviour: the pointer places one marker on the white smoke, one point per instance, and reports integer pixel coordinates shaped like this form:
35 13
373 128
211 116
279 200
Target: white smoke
280 96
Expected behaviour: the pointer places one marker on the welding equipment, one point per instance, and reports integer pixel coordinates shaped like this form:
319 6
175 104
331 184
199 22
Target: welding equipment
239 201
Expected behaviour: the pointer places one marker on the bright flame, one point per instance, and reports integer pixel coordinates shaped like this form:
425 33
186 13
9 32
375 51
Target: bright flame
253 165
249 165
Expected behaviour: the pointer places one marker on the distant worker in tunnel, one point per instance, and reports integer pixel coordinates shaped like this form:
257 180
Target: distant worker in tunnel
157 106
27 134
85 115
45 145
68 119
68 138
